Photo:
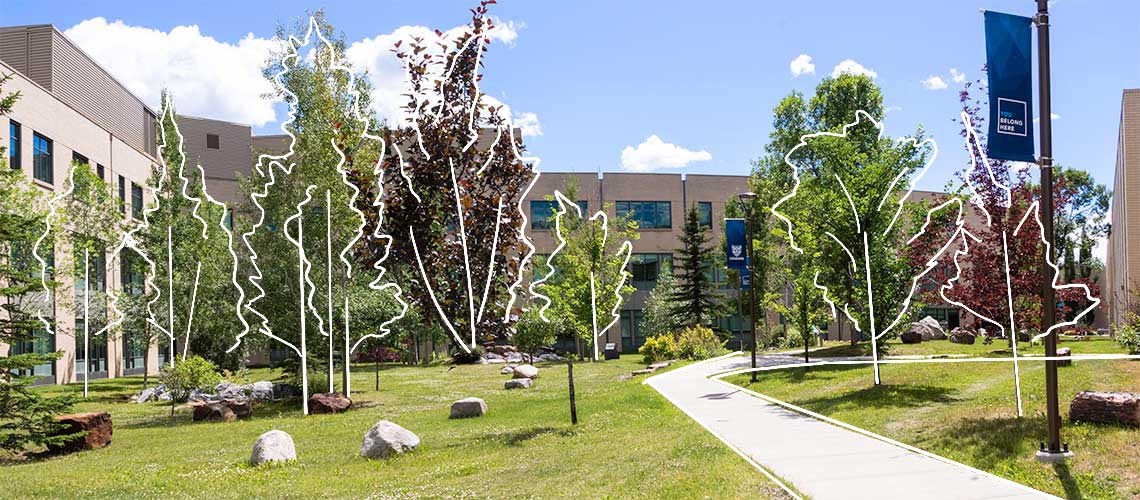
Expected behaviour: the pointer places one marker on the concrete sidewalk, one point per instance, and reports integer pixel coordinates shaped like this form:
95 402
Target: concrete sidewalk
819 459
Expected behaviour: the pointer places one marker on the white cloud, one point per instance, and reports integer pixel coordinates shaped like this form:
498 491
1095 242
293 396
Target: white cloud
850 67
959 77
528 123
802 65
889 109
934 83
206 77
654 153
1053 116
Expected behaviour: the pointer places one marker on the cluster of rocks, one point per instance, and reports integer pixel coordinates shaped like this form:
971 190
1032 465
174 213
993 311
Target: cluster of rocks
257 391
510 354
922 330
522 376
383 440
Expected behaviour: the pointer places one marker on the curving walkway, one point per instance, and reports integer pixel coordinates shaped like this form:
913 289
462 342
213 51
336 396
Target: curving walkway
819 459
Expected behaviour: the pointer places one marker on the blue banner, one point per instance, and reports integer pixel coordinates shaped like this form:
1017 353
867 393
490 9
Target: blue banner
1009 65
734 243
745 279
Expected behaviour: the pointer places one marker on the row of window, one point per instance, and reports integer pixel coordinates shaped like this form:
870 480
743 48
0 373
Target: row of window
647 214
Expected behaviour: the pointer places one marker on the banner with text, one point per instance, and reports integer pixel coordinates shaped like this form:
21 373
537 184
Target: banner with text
1009 65
734 239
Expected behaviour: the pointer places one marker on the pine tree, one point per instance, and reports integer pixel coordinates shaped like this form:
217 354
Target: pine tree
695 301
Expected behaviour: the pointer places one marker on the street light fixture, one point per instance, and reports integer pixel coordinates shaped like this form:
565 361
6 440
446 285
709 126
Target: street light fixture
746 199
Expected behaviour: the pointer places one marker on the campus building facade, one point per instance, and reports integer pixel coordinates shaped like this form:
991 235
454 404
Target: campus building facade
1123 266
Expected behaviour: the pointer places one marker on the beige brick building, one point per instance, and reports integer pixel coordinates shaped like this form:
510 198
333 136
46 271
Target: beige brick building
1123 266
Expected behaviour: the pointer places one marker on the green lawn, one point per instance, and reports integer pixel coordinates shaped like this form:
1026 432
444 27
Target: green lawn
630 442
999 348
967 412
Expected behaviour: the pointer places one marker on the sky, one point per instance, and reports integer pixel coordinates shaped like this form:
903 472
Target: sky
636 85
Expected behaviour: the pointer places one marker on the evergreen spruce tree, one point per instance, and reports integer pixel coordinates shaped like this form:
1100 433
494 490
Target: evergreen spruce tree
695 301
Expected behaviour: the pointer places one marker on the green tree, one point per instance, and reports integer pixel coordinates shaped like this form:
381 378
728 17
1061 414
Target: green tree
695 300
26 416
658 316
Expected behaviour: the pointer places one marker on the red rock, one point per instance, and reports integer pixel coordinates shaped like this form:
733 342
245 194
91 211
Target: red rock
329 402
96 425
1122 408
1064 351
214 412
241 408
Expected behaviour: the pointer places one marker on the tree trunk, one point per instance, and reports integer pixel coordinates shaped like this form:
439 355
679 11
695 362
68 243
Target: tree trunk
573 405
377 373
1120 408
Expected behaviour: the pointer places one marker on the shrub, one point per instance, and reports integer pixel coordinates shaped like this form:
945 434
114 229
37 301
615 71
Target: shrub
461 357
699 342
186 376
27 417
1128 335
659 348
532 333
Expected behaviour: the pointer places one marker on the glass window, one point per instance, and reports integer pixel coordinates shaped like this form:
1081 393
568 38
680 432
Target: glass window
41 159
14 144
79 159
542 213
136 200
213 141
40 343
585 207
99 171
705 209
647 214
645 267
122 195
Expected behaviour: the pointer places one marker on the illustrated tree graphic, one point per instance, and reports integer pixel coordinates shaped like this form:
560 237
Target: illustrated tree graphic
454 179
852 220
584 282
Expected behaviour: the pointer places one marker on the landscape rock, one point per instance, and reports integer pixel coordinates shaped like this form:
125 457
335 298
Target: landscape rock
911 336
329 402
526 371
214 412
273 446
502 350
97 426
1064 351
514 357
645 371
518 383
550 357
507 370
658 365
1023 336
468 407
260 391
242 408
934 329
1121 408
386 439
285 391
962 336
228 390
147 395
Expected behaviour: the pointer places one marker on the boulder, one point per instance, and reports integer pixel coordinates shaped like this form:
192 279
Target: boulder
386 439
525 371
507 370
983 333
658 365
927 328
514 357
1023 336
260 391
911 336
550 357
228 390
214 412
518 383
645 371
502 350
1121 408
273 446
468 407
96 427
242 408
329 402
962 336
285 391
147 395
1065 352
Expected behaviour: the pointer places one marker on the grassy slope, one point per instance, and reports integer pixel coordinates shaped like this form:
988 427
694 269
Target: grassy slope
630 442
967 412
999 348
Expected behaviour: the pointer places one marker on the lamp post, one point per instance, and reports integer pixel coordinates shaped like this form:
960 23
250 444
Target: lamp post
746 199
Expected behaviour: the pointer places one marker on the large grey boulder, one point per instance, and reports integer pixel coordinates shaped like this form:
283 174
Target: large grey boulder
518 383
927 328
549 356
386 439
228 390
260 391
147 395
526 371
468 407
273 446
962 335
507 370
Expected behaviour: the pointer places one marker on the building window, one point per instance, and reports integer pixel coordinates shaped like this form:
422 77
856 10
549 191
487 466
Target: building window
41 343
136 201
647 214
41 159
645 268
230 220
122 195
100 172
213 141
14 144
79 159
150 132
632 334
705 210
542 213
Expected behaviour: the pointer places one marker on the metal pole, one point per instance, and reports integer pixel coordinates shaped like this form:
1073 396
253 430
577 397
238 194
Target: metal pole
751 285
1048 297
740 309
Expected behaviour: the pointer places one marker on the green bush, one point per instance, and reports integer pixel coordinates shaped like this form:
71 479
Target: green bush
659 348
532 333
1128 335
699 342
188 375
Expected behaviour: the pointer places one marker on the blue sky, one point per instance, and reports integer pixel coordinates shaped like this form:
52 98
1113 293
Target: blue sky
601 76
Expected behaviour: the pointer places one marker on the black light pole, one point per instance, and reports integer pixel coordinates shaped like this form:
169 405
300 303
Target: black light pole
746 201
1048 296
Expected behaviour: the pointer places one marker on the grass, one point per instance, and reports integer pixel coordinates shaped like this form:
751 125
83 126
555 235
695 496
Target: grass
630 442
967 412
999 348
